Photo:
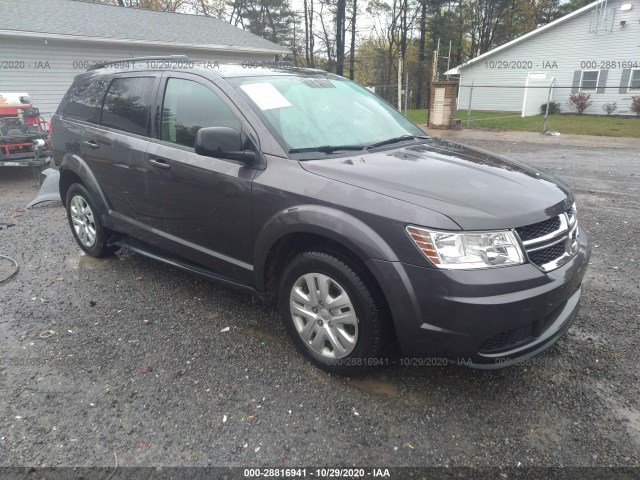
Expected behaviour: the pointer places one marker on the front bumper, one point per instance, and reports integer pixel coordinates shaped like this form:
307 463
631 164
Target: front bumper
482 318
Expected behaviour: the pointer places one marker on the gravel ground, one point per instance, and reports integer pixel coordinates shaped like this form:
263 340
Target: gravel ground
128 356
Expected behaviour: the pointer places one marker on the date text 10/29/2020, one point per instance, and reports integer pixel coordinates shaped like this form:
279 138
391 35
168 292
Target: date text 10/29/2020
554 65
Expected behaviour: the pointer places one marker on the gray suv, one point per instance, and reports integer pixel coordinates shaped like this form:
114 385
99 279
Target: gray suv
308 190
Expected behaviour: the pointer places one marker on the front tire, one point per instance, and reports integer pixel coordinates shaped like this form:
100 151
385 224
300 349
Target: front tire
331 313
85 223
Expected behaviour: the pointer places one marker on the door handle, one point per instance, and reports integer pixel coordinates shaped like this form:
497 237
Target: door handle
158 163
91 144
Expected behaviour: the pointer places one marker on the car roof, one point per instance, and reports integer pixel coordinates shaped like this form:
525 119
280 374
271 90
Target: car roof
256 69
225 70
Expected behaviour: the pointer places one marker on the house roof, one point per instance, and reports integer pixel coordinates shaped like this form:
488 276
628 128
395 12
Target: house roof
92 22
538 31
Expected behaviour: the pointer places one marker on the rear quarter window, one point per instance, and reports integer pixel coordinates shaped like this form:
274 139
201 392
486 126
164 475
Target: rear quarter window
83 101
127 104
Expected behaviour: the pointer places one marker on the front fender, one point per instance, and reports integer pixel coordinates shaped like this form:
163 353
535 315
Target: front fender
334 224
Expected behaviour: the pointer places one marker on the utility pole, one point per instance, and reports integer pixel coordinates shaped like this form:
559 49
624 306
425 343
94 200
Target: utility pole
437 57
406 92
399 82
434 65
449 59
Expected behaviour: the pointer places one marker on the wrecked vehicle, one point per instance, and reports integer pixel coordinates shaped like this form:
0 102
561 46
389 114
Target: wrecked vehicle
23 132
305 188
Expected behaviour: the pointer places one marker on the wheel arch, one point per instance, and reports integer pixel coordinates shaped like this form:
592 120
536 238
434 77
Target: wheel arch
315 227
74 169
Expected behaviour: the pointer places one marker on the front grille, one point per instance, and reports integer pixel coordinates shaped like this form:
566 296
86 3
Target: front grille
570 214
538 229
509 339
546 242
549 254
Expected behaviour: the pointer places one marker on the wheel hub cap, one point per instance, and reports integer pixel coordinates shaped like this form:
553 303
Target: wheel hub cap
323 315
83 221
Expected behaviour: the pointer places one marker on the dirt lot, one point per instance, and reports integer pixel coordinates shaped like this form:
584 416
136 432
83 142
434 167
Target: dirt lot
128 357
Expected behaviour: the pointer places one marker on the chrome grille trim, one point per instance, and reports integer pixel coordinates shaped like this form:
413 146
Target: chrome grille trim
567 233
547 245
564 227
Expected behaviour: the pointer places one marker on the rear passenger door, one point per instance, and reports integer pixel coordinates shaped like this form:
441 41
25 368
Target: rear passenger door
116 150
201 205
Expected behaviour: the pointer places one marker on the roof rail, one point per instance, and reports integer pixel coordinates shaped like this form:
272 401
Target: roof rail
169 58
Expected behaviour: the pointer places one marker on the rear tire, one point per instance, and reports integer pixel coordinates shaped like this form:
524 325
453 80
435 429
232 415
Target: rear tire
331 313
85 223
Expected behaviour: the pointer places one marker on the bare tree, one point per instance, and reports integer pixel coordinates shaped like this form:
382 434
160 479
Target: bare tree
352 51
340 36
385 31
325 36
160 5
421 52
238 10
211 8
309 43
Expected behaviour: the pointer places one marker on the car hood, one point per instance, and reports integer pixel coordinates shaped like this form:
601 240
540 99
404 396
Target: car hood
476 189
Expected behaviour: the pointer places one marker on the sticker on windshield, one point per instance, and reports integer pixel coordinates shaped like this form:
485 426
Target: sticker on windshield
266 96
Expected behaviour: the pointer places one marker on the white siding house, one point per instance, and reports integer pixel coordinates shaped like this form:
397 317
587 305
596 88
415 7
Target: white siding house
41 57
595 50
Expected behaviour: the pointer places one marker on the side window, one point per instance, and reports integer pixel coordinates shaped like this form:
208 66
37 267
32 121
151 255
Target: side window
127 104
589 79
84 99
189 106
634 83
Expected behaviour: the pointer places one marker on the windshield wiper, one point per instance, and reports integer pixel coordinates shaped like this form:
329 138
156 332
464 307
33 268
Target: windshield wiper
335 148
401 138
327 148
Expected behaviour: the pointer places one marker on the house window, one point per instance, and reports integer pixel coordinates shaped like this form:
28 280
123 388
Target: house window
634 81
589 79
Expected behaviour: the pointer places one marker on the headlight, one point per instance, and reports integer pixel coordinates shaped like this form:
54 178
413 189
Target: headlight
454 250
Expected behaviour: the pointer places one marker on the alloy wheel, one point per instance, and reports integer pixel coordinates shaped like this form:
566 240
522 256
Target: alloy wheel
323 315
83 221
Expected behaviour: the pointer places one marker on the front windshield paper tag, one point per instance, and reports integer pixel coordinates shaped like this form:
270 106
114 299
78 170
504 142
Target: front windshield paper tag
266 96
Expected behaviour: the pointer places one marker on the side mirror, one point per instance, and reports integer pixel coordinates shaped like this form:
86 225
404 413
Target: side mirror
222 142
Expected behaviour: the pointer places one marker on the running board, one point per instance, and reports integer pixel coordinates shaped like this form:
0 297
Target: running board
151 252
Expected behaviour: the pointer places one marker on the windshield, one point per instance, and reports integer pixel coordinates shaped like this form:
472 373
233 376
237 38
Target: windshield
307 113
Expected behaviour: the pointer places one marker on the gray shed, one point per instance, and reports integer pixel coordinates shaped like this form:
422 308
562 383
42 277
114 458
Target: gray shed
44 44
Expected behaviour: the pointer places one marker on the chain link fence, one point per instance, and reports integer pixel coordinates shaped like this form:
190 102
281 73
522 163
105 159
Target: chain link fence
544 106
390 94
